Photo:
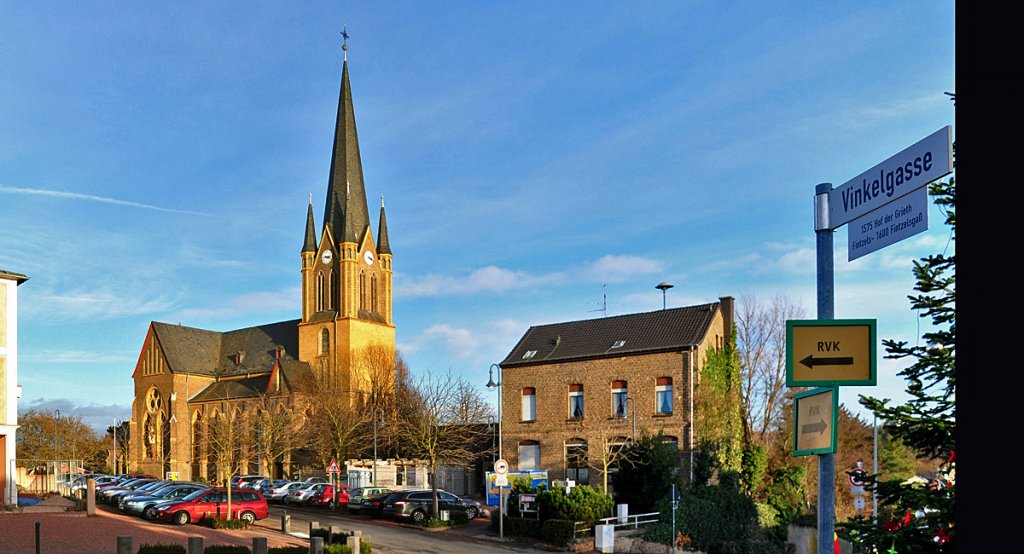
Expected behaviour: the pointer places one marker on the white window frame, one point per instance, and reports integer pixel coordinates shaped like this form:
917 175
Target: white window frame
659 392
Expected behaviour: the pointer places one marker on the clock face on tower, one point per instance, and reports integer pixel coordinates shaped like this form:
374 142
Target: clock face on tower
326 257
368 257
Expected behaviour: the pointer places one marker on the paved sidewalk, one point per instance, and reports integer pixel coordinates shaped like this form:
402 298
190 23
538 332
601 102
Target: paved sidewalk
76 533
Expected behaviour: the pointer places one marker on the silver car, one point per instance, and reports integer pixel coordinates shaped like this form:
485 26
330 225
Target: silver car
278 494
305 494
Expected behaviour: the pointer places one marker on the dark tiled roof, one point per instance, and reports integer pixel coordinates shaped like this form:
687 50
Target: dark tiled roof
346 212
309 245
249 387
201 352
663 330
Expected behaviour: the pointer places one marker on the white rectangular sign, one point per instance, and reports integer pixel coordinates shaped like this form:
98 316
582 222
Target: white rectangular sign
928 160
889 224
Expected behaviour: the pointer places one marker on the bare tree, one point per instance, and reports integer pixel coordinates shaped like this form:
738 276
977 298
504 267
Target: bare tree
761 341
442 420
275 428
227 432
334 425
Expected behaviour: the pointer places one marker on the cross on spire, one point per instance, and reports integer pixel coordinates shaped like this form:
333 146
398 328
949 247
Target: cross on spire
344 36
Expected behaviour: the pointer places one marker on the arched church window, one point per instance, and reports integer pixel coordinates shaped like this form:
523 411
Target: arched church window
373 294
319 291
325 342
362 290
332 304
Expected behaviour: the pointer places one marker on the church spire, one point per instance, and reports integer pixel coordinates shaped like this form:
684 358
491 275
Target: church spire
383 247
345 211
310 244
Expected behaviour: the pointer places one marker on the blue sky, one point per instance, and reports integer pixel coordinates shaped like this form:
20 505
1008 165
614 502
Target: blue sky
156 163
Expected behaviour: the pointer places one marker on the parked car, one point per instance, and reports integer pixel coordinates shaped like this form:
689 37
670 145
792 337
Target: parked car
246 505
249 481
311 480
356 497
152 490
266 485
326 496
82 483
304 495
131 484
277 494
114 498
418 505
373 505
145 506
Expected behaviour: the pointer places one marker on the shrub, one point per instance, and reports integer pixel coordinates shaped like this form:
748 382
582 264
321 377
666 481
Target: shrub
337 549
218 523
558 531
288 550
226 549
433 523
161 548
583 504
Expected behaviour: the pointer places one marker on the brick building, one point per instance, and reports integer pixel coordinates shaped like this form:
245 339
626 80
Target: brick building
186 377
573 391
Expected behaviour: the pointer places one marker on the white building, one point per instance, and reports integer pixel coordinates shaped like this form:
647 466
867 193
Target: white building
9 381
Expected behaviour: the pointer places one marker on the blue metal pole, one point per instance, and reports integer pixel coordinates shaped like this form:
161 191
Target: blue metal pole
826 310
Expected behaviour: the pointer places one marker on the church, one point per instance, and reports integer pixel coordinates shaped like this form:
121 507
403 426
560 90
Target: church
186 377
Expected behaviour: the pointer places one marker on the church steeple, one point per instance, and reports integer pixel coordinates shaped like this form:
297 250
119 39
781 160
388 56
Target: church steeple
310 244
345 211
383 247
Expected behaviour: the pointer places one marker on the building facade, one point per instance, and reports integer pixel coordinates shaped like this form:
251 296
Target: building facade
186 377
575 392
9 383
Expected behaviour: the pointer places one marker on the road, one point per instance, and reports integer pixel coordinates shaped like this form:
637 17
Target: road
390 537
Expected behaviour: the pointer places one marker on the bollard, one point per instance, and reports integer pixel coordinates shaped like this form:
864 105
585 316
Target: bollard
37 537
353 543
316 545
286 522
90 497
195 545
124 544
259 545
313 526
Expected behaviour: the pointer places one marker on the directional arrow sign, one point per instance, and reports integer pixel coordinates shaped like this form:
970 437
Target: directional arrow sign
814 421
830 352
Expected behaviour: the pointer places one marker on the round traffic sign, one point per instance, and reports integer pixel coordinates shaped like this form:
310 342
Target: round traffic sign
857 477
501 467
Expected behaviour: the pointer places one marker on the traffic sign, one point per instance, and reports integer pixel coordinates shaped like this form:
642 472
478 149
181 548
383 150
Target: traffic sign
500 479
858 502
333 468
815 421
830 352
857 476
501 467
928 160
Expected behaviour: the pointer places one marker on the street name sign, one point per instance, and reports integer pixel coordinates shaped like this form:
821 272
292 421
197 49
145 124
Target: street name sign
889 224
831 352
815 417
928 160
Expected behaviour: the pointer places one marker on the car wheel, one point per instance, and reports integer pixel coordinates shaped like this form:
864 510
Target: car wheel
311 502
181 518
419 516
248 517
149 513
471 513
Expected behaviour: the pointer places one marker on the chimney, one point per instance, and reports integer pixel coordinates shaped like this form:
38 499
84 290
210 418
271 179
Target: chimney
726 303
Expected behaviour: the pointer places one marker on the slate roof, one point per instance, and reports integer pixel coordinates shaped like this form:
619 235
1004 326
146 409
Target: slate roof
346 212
211 353
250 387
664 330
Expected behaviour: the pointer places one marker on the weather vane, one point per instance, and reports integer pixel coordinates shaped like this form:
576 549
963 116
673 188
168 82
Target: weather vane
344 36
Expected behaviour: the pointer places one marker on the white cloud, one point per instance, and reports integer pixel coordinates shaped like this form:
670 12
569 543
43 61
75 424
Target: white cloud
92 198
256 302
97 305
460 343
74 357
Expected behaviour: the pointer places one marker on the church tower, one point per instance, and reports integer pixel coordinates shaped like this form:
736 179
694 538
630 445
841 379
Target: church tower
346 277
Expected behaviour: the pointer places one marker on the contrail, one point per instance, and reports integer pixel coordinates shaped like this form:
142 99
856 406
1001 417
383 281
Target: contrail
93 198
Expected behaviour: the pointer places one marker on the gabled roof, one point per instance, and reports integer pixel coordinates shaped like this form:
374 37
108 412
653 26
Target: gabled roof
664 330
214 354
249 387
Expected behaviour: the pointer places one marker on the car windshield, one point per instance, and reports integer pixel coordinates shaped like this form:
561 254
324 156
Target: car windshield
166 491
194 495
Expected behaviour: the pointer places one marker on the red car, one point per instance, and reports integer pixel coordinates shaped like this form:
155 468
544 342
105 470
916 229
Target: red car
326 496
246 505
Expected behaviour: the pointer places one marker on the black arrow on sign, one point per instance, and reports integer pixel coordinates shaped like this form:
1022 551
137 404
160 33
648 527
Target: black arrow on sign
811 361
812 427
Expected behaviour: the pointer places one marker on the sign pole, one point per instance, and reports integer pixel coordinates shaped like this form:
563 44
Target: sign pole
826 310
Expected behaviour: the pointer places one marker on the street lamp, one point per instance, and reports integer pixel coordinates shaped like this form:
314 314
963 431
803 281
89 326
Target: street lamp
490 422
501 508
376 420
664 286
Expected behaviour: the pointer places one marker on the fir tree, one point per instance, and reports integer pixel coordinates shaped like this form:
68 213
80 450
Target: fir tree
920 518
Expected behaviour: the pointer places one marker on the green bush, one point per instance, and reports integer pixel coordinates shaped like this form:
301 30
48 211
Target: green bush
218 523
161 548
288 550
583 504
337 549
558 531
226 549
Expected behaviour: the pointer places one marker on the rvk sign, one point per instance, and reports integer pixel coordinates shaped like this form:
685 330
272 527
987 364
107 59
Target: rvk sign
830 352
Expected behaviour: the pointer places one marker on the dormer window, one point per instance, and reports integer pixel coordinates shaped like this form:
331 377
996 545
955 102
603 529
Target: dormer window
238 357
618 344
529 354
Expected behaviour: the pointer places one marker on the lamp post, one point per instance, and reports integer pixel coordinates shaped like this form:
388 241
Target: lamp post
501 507
490 421
664 286
56 455
115 446
376 420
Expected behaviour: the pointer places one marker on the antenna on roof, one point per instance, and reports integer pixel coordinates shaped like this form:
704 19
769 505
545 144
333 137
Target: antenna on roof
604 303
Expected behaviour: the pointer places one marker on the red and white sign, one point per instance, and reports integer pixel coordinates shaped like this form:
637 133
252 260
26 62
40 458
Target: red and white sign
501 467
333 468
857 477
